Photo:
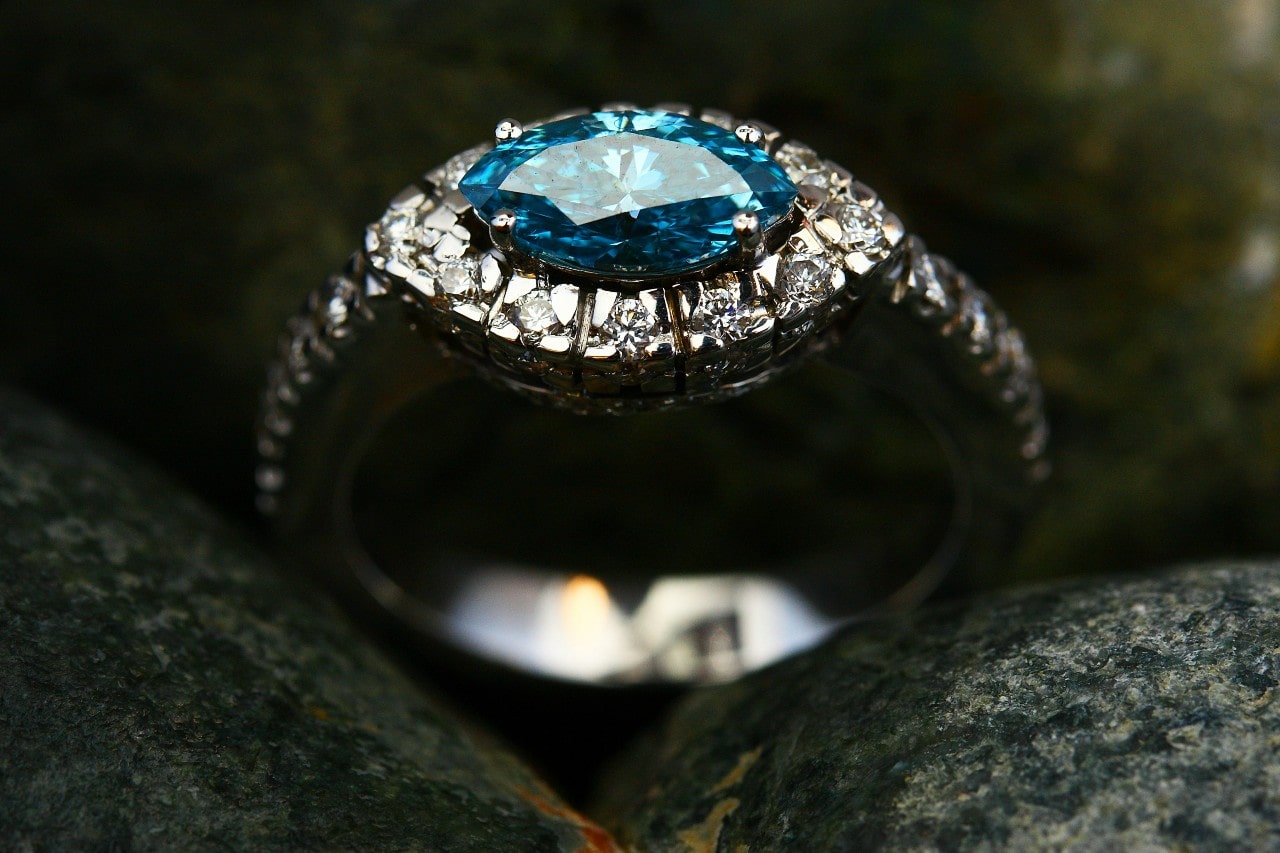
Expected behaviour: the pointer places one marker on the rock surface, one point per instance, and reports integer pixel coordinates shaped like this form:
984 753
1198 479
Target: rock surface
1108 171
1135 715
160 688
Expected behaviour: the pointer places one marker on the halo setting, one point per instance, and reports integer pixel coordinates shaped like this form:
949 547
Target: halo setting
619 261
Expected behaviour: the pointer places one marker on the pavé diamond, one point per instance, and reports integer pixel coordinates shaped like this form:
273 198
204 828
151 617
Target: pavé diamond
806 278
632 192
458 278
402 238
630 325
804 166
720 313
863 230
534 311
798 159
450 173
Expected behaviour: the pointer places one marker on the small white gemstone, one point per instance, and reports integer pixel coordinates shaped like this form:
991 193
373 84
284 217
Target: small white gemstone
798 159
458 278
926 283
803 165
630 325
862 230
720 314
806 278
401 237
534 311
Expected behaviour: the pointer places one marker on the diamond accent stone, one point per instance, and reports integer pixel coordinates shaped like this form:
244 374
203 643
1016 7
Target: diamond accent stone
721 314
630 326
535 312
976 316
806 278
460 278
401 237
927 284
804 166
628 192
862 229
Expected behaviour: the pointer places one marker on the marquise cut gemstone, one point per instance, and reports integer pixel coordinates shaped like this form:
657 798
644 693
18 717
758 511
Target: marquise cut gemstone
628 193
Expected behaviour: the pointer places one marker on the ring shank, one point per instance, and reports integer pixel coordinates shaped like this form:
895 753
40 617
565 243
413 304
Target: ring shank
684 628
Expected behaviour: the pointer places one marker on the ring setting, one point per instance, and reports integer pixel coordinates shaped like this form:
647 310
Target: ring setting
626 260
581 256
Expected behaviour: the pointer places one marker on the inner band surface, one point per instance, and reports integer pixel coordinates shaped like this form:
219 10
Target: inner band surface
692 544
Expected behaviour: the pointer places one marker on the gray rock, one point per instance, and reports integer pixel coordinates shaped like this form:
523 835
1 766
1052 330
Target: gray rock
1135 715
161 688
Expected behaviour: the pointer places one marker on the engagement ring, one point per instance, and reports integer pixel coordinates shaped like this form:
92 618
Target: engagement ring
627 261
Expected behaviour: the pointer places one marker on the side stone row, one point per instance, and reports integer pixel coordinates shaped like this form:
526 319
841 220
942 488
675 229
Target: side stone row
593 339
537 323
332 317
564 338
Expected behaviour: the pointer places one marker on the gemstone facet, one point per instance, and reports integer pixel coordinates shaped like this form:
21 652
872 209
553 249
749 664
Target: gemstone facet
628 193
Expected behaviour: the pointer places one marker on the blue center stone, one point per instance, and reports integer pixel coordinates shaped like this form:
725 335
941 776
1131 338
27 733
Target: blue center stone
631 193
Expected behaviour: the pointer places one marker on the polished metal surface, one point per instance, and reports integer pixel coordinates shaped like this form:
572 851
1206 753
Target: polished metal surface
437 296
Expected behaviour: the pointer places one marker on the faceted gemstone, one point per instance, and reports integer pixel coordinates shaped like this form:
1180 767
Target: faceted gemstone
402 237
459 277
863 230
804 166
975 314
535 312
720 313
806 278
628 193
630 325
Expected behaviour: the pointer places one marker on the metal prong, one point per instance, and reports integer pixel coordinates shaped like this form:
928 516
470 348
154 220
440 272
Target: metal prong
749 133
501 226
746 227
507 130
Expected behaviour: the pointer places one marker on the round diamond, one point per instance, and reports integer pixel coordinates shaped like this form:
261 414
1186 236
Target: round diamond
806 278
863 230
458 278
534 311
721 314
628 192
804 166
630 325
401 237
798 159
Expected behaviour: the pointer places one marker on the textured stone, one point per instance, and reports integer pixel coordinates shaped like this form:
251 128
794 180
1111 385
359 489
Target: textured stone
160 688
628 192
1134 715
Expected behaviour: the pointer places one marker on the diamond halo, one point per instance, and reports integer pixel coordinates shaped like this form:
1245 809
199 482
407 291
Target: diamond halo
578 338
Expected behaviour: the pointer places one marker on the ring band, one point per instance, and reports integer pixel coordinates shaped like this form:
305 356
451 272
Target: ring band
621 261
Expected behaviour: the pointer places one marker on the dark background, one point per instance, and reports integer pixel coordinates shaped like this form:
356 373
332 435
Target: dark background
179 175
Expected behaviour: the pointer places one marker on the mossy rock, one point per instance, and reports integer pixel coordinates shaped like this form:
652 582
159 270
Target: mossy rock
1118 715
162 688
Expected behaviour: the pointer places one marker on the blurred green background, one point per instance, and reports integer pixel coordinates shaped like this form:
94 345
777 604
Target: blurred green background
179 175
